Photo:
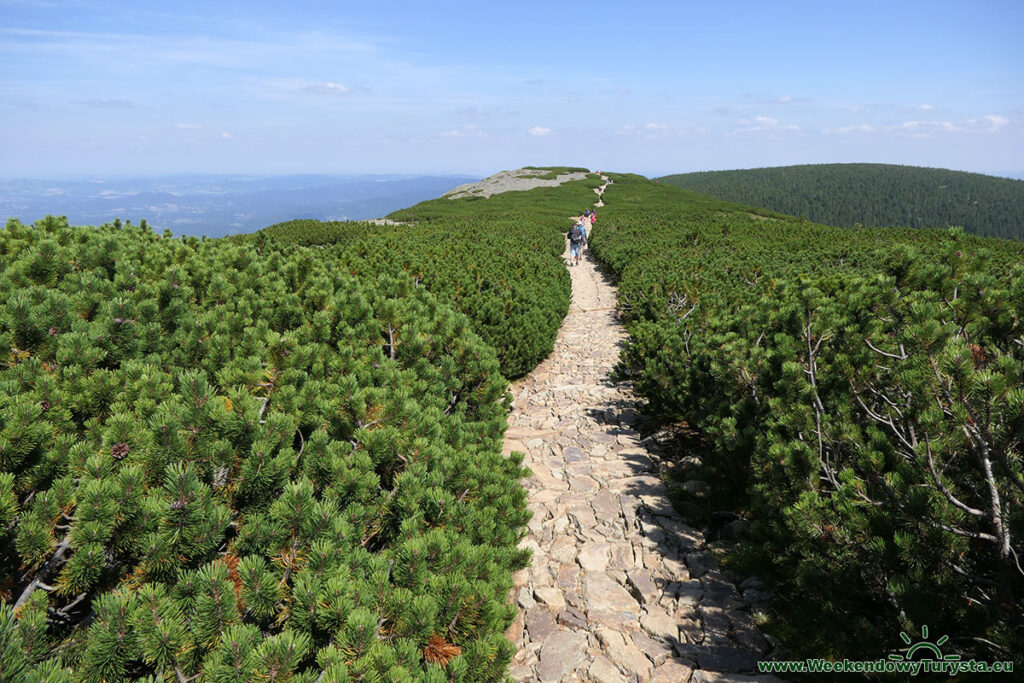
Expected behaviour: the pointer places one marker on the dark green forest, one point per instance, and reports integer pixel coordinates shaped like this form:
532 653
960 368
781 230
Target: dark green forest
873 195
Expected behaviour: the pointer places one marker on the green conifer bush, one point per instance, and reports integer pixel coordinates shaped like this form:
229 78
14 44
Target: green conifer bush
233 461
861 392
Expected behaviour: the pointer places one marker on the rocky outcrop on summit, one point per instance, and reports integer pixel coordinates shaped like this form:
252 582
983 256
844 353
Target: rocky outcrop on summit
511 181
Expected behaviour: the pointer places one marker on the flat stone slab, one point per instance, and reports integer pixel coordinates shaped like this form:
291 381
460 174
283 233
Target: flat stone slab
727 659
604 593
560 654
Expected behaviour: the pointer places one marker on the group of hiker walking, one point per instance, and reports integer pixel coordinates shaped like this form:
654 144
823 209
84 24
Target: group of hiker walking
579 233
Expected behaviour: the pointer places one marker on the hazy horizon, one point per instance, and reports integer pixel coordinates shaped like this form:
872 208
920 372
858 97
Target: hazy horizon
218 205
86 177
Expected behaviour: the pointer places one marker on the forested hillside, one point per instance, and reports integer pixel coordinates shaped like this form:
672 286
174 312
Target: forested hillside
874 195
860 397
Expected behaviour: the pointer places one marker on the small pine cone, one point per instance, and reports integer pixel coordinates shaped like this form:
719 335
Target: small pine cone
53 331
45 405
178 505
120 450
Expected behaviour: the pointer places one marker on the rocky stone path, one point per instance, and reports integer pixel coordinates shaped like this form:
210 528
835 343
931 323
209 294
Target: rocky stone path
620 589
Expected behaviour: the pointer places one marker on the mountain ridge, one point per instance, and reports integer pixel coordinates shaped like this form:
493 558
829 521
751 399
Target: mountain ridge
863 194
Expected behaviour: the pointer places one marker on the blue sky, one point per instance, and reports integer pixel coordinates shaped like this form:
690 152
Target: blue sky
102 88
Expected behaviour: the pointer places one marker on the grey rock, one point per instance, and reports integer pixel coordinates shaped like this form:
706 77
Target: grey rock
606 505
572 618
752 582
539 624
656 651
642 586
659 624
560 654
672 671
603 593
701 676
727 659
603 671
573 454
550 596
719 591
753 596
690 592
700 563
751 639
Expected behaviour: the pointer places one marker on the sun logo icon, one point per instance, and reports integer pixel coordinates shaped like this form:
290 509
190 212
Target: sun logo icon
925 645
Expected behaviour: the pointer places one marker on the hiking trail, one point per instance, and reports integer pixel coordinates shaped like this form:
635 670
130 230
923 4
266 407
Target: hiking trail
620 588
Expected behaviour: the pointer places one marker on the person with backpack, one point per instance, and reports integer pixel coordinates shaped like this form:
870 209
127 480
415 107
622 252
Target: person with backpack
576 239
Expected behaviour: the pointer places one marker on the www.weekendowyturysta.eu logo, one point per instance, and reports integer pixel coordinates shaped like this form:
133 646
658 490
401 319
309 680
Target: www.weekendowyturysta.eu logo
925 646
923 656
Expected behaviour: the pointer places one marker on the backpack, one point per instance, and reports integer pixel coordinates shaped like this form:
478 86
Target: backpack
576 234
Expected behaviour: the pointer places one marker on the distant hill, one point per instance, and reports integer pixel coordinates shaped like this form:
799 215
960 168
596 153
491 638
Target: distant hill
219 205
878 195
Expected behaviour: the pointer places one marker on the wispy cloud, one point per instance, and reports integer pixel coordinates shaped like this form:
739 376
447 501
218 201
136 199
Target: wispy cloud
657 131
845 130
924 128
762 98
485 114
464 132
107 104
538 131
227 136
992 122
326 89
760 124
219 51
615 90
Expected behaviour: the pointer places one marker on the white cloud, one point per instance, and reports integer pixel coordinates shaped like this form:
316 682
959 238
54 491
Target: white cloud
921 128
926 127
846 130
538 131
657 131
463 132
485 114
107 104
762 124
327 88
762 98
992 122
227 136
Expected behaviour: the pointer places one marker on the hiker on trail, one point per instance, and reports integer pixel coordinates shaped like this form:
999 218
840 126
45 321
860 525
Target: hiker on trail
577 237
585 219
